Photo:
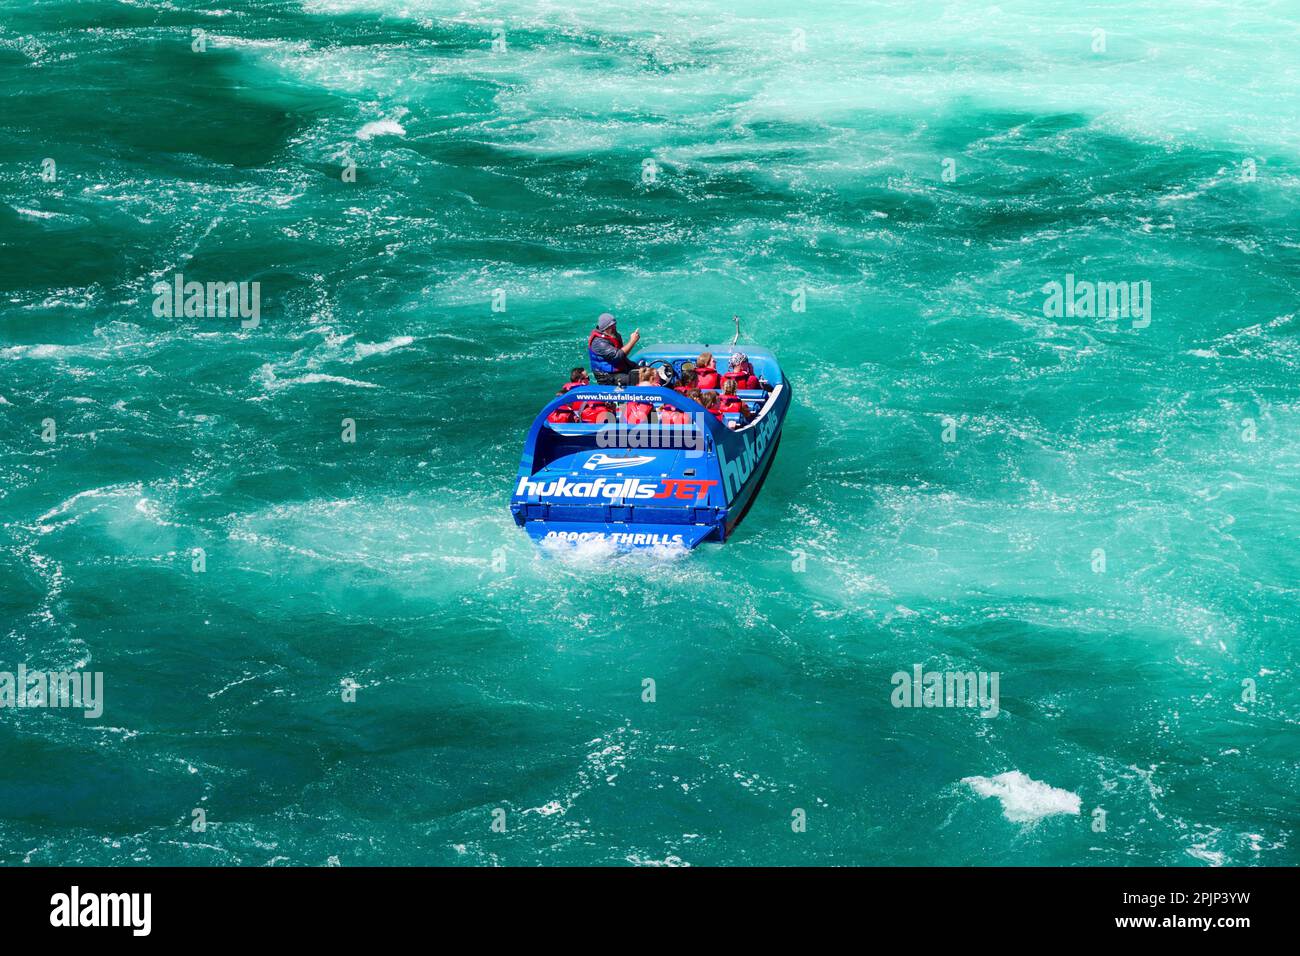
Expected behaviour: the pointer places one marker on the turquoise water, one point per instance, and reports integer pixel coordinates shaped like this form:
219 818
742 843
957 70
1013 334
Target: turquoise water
1112 529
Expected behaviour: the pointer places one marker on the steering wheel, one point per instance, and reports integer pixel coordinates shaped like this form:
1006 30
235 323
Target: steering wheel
669 369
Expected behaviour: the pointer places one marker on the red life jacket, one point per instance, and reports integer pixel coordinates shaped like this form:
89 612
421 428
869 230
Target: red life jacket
562 415
671 416
732 404
744 377
594 412
682 389
637 413
576 406
614 340
707 377
598 364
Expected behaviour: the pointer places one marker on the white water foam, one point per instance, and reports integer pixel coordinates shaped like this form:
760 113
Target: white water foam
315 378
385 127
1025 800
365 350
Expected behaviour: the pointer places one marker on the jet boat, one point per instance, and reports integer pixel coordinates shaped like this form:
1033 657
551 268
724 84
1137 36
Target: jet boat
674 476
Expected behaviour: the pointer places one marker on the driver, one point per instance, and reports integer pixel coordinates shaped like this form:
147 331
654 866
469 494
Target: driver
609 362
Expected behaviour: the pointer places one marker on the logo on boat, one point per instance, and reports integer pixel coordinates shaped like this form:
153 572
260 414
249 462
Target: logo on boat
602 462
634 489
737 472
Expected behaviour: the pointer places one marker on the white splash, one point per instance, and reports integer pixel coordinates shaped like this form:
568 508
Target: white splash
1025 800
365 350
314 378
384 127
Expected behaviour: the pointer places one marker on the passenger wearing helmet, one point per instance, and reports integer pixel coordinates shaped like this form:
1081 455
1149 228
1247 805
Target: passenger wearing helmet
741 372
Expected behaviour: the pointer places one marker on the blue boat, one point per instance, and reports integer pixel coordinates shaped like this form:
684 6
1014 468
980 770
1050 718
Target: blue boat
651 484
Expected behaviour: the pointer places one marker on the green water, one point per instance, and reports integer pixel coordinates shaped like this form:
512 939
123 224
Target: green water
1112 528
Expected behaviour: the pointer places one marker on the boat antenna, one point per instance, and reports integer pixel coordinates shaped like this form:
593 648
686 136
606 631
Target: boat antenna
736 338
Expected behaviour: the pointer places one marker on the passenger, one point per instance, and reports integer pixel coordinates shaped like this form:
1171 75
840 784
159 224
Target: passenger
731 403
706 374
687 381
564 414
668 415
710 401
741 372
595 413
577 376
609 362
638 413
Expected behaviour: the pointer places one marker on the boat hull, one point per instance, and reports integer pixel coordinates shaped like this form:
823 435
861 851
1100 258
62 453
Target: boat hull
630 487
